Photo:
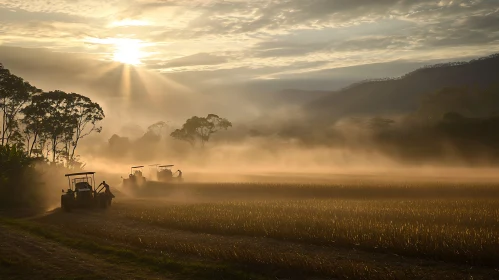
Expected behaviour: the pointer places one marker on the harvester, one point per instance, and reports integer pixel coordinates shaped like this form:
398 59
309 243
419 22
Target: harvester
82 192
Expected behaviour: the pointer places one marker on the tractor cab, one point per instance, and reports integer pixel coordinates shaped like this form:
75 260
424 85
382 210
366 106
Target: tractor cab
167 168
83 192
135 178
83 187
136 171
165 172
83 184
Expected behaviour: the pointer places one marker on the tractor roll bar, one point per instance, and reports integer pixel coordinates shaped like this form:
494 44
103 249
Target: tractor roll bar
81 173
92 178
135 167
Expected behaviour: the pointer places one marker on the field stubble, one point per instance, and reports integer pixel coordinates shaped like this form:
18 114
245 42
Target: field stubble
344 233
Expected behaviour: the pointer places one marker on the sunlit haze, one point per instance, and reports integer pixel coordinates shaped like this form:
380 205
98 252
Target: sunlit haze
258 40
174 59
249 139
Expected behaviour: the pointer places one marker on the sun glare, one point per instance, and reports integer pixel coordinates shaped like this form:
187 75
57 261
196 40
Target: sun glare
128 51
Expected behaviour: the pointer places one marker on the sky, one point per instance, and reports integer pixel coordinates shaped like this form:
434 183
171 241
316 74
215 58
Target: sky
193 48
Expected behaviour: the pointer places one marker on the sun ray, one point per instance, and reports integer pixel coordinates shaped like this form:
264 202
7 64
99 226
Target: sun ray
126 55
126 85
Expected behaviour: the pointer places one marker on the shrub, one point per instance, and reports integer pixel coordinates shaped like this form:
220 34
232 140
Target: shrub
17 174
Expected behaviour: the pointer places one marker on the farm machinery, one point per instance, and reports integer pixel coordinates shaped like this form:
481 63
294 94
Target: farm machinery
164 173
137 184
83 192
135 178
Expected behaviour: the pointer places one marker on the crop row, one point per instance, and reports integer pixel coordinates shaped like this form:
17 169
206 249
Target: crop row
450 230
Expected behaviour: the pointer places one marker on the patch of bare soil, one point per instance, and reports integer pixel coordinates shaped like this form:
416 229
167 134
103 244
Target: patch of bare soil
25 256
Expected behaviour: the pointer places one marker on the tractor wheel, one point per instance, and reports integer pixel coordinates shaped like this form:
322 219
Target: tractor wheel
65 205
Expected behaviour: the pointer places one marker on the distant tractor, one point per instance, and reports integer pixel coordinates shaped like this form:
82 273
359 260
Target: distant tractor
82 192
165 174
135 178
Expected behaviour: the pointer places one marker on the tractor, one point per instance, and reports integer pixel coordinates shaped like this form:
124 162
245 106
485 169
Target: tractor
165 174
82 192
135 178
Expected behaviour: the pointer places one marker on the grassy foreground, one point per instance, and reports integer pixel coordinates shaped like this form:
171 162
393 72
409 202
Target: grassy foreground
339 233
162 264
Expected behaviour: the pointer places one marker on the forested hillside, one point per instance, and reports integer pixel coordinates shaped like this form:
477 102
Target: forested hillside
403 95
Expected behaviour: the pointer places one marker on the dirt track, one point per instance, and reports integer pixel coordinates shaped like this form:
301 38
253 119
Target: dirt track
24 255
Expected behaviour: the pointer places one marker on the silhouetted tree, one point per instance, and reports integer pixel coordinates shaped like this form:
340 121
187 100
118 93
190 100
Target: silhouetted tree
86 114
15 93
157 128
57 119
33 121
119 146
199 128
14 163
61 118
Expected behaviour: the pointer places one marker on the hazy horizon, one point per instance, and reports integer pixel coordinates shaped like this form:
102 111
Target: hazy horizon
183 58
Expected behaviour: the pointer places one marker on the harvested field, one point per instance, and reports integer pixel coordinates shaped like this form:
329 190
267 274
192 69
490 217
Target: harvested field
288 231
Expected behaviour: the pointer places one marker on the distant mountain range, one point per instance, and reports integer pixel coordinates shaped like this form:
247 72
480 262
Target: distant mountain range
397 95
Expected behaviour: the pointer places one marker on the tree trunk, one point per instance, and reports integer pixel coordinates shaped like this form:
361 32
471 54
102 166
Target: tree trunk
3 125
73 151
48 150
9 134
54 148
33 144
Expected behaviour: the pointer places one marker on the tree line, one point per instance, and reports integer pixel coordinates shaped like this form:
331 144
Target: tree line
442 66
196 132
45 124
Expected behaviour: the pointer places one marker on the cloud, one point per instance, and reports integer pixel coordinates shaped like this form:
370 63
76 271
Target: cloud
87 8
283 48
195 59
254 16
208 42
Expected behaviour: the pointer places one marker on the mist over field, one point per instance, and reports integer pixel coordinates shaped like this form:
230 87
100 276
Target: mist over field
263 139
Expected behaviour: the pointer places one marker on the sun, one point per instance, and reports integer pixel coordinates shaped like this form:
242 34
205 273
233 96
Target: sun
128 51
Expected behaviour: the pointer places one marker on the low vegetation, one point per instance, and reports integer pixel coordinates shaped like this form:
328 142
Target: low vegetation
428 237
462 231
17 186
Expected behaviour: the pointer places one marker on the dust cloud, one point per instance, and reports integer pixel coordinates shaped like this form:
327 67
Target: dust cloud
272 152
269 159
276 143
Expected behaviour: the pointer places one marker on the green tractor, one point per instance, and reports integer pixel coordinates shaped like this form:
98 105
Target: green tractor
82 192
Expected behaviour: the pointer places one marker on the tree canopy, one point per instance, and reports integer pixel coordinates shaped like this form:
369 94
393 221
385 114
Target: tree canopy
15 93
45 123
200 129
